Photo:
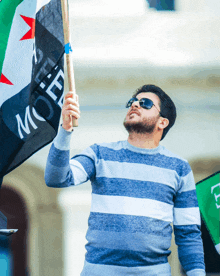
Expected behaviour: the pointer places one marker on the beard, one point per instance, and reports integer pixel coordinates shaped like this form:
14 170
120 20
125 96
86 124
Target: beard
147 126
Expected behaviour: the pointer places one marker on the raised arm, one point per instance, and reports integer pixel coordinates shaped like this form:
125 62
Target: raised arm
58 172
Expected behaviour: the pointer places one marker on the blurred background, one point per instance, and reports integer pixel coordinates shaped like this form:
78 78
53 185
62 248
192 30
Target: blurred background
119 46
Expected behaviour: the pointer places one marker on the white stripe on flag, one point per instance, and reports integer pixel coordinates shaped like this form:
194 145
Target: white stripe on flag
20 73
217 247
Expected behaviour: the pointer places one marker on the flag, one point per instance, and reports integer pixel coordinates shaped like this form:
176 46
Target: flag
208 194
31 77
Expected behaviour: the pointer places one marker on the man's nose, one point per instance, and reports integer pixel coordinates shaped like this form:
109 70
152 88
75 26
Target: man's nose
136 104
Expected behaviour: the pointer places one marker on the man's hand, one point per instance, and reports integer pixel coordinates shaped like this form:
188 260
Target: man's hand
70 110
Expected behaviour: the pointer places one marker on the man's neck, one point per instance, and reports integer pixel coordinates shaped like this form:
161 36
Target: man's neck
148 141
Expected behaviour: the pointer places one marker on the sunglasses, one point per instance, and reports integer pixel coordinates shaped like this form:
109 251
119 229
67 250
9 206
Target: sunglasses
144 102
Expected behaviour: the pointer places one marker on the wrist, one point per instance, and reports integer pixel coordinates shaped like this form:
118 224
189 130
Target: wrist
67 129
62 140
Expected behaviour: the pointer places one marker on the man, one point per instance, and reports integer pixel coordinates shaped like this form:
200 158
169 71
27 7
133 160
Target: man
138 189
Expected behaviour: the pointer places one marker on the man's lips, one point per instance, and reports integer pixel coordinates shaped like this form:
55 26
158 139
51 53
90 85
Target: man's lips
134 112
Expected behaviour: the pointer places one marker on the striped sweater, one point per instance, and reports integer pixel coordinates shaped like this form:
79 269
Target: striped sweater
136 195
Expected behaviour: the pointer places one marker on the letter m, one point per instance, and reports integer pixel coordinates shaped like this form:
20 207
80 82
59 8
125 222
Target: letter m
25 126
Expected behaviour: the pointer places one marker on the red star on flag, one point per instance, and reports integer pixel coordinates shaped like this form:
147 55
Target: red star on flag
31 23
3 79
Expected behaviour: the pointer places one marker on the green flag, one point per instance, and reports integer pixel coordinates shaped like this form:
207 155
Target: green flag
208 194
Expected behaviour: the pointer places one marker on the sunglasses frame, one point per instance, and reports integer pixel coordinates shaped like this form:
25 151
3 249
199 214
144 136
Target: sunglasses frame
142 103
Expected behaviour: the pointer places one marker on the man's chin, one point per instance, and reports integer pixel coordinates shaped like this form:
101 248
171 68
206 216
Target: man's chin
133 120
137 127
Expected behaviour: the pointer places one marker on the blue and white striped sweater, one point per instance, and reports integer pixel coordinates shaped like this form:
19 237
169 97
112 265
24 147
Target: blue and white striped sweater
136 194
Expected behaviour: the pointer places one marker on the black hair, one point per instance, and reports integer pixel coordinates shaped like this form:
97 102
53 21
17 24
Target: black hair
167 106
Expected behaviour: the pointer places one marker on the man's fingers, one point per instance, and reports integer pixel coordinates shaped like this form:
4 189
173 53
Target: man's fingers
70 101
71 107
70 110
68 113
70 94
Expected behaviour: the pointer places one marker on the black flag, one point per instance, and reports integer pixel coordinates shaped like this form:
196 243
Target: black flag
29 118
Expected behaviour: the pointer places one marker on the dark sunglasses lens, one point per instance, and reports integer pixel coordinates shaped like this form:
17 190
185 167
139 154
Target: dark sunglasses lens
146 103
130 102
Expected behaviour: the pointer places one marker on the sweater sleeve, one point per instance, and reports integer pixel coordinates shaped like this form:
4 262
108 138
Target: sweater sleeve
61 171
187 224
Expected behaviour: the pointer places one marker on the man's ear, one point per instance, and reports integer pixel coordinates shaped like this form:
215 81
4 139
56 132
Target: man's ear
164 122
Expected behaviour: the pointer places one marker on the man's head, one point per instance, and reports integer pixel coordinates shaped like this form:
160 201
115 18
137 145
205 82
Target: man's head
152 109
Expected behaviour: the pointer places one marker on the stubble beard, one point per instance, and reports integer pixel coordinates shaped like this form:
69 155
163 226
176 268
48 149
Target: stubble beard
147 126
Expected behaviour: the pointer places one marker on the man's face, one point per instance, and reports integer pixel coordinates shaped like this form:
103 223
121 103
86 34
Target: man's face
141 120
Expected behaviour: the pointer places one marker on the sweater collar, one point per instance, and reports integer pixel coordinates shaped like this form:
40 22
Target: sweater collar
143 150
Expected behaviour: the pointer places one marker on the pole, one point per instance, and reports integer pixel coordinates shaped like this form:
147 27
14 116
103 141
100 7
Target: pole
69 64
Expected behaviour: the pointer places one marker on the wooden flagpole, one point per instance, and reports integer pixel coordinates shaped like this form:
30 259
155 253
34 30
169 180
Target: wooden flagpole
69 64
